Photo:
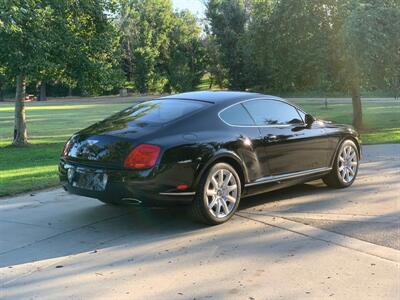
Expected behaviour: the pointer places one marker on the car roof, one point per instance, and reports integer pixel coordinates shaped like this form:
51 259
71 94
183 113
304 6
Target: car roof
219 96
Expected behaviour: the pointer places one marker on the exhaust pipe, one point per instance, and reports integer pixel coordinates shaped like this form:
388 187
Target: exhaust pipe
132 201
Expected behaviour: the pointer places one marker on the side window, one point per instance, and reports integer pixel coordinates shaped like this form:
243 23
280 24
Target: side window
272 112
237 115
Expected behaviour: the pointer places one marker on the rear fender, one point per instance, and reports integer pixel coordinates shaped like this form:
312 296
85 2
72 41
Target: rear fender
227 156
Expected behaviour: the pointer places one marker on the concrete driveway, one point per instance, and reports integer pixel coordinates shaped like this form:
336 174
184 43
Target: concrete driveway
306 242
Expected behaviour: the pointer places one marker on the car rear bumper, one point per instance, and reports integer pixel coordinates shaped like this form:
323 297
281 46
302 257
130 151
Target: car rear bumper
141 187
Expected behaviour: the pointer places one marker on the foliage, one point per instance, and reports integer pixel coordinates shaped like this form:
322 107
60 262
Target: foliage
145 26
24 28
186 61
372 36
299 41
294 46
162 48
227 21
213 62
279 46
60 41
90 52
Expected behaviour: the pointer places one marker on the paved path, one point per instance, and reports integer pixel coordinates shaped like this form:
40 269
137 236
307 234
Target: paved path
306 242
381 152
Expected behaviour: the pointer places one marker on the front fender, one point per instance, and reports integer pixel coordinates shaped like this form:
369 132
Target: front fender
345 137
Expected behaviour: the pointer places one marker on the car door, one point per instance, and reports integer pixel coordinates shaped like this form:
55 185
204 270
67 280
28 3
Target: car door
250 142
289 145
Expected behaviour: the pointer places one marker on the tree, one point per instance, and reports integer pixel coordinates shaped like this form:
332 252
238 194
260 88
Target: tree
370 43
213 62
23 35
2 82
145 27
293 42
186 61
53 39
227 20
344 45
91 52
162 50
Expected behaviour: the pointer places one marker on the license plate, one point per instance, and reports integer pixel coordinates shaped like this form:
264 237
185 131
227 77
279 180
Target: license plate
93 181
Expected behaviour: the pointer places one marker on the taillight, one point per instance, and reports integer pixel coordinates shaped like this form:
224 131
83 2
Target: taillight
67 147
143 156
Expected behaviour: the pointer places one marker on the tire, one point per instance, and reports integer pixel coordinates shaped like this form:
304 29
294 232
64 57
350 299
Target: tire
217 198
345 166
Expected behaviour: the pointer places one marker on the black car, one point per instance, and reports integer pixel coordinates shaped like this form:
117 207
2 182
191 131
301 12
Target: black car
209 149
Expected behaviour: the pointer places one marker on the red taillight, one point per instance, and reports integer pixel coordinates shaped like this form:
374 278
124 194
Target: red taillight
143 156
66 148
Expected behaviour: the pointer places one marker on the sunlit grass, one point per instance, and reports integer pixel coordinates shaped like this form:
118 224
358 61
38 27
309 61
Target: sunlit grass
382 136
51 123
49 126
375 114
27 179
381 120
33 171
50 107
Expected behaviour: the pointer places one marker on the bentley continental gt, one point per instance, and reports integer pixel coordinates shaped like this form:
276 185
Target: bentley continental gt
208 149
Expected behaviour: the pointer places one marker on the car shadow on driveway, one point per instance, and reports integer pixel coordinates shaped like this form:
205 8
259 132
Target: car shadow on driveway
293 192
135 223
81 230
80 225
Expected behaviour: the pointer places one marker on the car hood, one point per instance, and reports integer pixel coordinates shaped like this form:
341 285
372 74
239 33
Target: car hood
343 127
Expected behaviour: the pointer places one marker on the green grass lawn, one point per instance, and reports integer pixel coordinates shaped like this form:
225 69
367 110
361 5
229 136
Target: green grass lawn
381 119
52 122
49 126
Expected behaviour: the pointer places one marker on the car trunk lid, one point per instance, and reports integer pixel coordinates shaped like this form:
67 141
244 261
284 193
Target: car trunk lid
108 143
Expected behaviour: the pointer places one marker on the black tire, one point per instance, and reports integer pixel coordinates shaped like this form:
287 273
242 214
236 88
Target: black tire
200 205
334 178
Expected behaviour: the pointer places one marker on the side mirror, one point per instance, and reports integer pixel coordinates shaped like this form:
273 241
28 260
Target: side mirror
309 119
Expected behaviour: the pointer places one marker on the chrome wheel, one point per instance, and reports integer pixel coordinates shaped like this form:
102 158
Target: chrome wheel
347 164
221 193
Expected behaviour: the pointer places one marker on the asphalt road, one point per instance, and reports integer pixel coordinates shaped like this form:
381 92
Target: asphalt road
306 242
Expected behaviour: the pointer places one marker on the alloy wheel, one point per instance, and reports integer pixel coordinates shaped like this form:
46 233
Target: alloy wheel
347 163
221 193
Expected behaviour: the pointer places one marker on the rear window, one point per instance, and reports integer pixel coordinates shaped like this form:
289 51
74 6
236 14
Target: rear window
160 111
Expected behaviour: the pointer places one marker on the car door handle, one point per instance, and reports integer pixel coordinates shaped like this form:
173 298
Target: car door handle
270 138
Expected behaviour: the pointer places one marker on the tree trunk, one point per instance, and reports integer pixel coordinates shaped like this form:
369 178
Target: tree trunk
20 132
211 83
42 93
70 91
1 93
357 108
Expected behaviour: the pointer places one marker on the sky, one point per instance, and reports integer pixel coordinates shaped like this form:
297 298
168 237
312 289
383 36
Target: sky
195 6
